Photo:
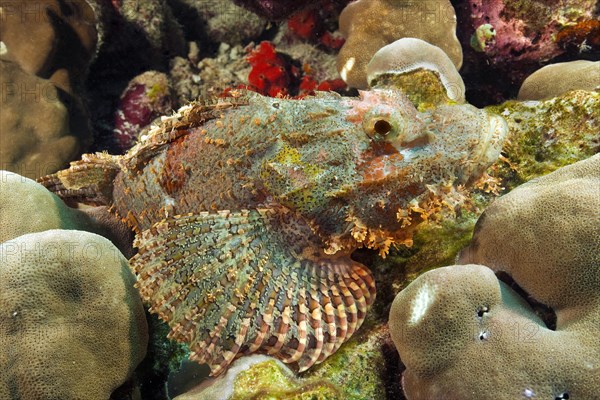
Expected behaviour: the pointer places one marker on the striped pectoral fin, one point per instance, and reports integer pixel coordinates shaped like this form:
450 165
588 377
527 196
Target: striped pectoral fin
236 283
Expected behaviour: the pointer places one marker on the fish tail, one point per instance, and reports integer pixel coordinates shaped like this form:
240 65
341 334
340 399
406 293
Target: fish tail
88 181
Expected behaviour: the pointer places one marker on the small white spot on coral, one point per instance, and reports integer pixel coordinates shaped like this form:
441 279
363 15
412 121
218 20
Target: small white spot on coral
422 301
347 68
528 393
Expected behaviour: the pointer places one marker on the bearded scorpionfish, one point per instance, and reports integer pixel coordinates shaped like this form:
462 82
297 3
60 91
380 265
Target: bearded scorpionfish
246 211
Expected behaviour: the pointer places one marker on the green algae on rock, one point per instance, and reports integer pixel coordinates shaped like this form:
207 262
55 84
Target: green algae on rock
437 243
259 377
546 135
359 368
420 70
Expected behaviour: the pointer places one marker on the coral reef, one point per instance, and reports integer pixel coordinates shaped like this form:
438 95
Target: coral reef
370 25
409 64
580 38
318 212
148 26
66 37
273 9
437 242
275 74
550 235
318 25
259 376
505 41
359 368
146 97
400 169
556 79
29 147
271 73
71 324
222 21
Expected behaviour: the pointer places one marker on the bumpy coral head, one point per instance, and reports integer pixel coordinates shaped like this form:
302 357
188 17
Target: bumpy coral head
414 164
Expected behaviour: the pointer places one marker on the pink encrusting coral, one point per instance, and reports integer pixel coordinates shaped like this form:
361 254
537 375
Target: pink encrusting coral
517 37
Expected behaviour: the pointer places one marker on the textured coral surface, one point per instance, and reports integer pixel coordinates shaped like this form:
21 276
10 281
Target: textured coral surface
71 324
456 326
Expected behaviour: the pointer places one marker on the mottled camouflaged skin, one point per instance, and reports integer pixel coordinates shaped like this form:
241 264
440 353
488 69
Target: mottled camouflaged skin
247 211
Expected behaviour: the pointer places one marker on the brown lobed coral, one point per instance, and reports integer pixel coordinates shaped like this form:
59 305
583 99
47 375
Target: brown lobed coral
462 333
43 121
368 25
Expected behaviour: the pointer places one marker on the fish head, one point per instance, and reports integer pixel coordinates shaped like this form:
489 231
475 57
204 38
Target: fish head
414 164
366 170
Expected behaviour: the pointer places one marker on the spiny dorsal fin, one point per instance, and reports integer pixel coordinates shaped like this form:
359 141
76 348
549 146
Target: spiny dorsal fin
231 284
173 127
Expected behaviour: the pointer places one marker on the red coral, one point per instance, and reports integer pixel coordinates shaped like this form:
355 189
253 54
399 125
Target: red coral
271 73
274 74
314 25
334 85
306 24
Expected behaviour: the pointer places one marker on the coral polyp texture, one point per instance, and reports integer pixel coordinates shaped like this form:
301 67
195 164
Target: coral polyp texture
416 67
368 25
246 248
556 79
463 333
71 324
273 9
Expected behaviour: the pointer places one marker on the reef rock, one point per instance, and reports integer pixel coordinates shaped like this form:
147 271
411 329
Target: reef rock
263 376
43 120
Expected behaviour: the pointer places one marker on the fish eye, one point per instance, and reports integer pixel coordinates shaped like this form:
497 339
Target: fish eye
382 127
